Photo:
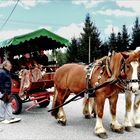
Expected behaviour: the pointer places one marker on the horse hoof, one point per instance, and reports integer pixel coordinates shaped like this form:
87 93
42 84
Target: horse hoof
87 117
120 130
63 123
102 135
137 125
128 128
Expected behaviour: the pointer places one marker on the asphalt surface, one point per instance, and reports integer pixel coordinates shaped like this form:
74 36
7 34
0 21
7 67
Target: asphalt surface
38 124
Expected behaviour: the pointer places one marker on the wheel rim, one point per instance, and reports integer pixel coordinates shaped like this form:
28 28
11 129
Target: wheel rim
14 105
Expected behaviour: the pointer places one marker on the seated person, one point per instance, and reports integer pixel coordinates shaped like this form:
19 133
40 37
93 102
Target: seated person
26 62
43 60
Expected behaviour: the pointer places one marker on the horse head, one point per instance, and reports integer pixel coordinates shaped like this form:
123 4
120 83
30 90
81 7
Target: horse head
131 68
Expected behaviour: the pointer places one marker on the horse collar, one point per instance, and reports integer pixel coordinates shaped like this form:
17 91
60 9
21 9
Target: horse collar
108 66
89 69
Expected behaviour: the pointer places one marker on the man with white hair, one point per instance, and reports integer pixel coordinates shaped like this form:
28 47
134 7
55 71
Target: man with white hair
6 115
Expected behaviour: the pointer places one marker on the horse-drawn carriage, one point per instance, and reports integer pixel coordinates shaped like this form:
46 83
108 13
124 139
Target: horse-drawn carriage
104 79
25 88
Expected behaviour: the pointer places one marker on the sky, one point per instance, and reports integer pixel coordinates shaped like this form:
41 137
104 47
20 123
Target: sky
66 17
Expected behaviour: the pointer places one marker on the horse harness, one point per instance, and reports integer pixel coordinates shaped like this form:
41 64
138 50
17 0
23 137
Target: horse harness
90 92
121 81
89 69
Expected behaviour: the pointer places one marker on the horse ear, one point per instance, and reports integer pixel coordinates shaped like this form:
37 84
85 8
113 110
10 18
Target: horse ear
125 54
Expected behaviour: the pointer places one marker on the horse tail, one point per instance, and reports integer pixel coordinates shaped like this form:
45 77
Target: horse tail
54 103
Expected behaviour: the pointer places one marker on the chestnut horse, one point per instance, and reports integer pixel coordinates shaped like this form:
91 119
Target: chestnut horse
132 109
132 64
71 78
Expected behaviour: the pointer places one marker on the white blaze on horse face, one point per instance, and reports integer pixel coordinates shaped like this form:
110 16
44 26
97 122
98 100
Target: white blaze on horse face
134 85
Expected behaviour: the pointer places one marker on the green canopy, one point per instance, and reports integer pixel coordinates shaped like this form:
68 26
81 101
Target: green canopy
37 40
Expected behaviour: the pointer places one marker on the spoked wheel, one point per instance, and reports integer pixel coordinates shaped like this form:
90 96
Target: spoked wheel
44 103
16 104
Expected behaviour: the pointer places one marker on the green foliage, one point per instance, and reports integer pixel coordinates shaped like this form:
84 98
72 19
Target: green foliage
72 49
90 38
125 39
135 35
104 49
61 58
119 42
112 42
78 50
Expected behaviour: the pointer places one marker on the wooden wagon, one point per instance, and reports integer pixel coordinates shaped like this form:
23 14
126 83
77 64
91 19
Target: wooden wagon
37 92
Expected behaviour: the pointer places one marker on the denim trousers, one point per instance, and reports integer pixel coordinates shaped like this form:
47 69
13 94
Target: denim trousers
5 111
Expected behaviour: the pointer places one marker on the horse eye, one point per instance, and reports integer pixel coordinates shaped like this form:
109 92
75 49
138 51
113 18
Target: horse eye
127 66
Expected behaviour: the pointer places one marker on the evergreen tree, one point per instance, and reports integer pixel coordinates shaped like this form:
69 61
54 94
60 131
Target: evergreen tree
125 39
104 49
135 35
61 58
72 51
119 42
112 42
90 36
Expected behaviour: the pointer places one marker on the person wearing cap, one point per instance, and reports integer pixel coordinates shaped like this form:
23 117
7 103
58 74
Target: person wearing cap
6 115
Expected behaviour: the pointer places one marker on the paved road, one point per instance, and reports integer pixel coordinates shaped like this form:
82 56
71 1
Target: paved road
38 124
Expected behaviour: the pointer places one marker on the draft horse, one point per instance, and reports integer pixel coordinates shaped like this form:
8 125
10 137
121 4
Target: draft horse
128 123
131 86
71 78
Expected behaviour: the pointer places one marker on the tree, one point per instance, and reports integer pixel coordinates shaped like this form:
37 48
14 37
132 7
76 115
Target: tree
61 58
112 42
125 39
135 35
104 49
72 51
119 42
90 36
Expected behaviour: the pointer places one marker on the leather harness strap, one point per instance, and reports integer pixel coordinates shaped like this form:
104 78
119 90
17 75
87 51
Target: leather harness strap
89 70
108 67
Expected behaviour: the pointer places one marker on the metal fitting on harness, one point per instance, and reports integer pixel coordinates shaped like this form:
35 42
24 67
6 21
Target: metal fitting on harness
97 84
89 70
86 95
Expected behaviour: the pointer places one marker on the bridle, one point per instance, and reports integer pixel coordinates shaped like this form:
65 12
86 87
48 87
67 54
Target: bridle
124 76
132 81
124 82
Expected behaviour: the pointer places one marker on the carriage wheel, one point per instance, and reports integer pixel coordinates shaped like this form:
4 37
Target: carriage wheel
16 104
45 103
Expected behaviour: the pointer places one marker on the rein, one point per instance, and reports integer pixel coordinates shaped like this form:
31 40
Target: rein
82 92
120 82
132 81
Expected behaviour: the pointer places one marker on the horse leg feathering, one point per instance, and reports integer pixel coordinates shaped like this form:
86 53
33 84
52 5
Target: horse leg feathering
115 125
136 117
